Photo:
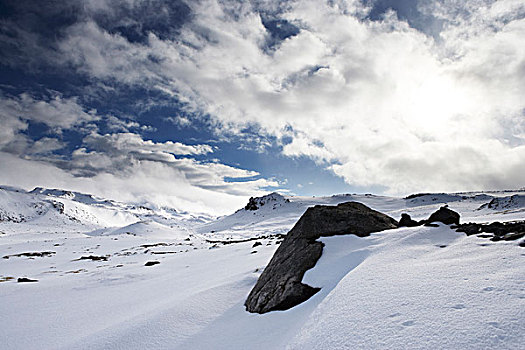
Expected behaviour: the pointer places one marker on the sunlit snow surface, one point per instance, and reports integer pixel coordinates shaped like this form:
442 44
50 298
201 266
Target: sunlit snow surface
420 288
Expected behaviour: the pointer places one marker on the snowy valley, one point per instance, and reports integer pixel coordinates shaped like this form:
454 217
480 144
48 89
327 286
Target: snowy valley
118 275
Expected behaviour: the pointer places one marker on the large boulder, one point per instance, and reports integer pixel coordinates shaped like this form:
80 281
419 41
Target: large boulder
444 215
279 287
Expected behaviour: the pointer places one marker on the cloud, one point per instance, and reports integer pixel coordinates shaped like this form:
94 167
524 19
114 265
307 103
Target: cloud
152 183
125 154
46 145
129 142
119 165
179 121
57 113
388 104
377 102
161 173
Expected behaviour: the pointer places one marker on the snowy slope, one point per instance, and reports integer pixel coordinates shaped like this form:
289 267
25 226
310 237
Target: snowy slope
422 287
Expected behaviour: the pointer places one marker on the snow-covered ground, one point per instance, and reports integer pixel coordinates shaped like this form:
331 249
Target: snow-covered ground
420 288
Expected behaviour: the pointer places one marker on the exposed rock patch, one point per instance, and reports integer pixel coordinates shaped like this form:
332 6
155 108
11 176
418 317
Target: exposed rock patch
501 231
151 263
505 203
279 287
155 245
24 279
30 255
93 257
258 202
232 241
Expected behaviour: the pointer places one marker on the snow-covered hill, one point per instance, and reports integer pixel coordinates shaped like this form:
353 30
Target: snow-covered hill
117 275
276 214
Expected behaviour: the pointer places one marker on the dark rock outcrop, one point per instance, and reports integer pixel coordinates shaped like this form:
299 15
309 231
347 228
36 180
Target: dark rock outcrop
273 199
444 215
151 263
30 255
252 204
501 231
279 287
407 221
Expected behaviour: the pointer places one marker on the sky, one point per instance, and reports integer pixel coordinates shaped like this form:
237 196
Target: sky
198 105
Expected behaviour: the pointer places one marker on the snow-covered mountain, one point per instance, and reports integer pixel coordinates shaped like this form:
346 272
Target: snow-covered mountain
130 276
54 210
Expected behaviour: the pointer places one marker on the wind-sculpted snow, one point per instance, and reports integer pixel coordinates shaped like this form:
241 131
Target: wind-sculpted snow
420 287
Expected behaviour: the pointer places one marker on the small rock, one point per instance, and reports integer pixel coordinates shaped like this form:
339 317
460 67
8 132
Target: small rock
407 221
256 244
151 263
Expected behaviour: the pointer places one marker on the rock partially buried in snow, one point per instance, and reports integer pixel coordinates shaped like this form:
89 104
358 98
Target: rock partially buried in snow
444 215
506 231
279 287
407 221
25 280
